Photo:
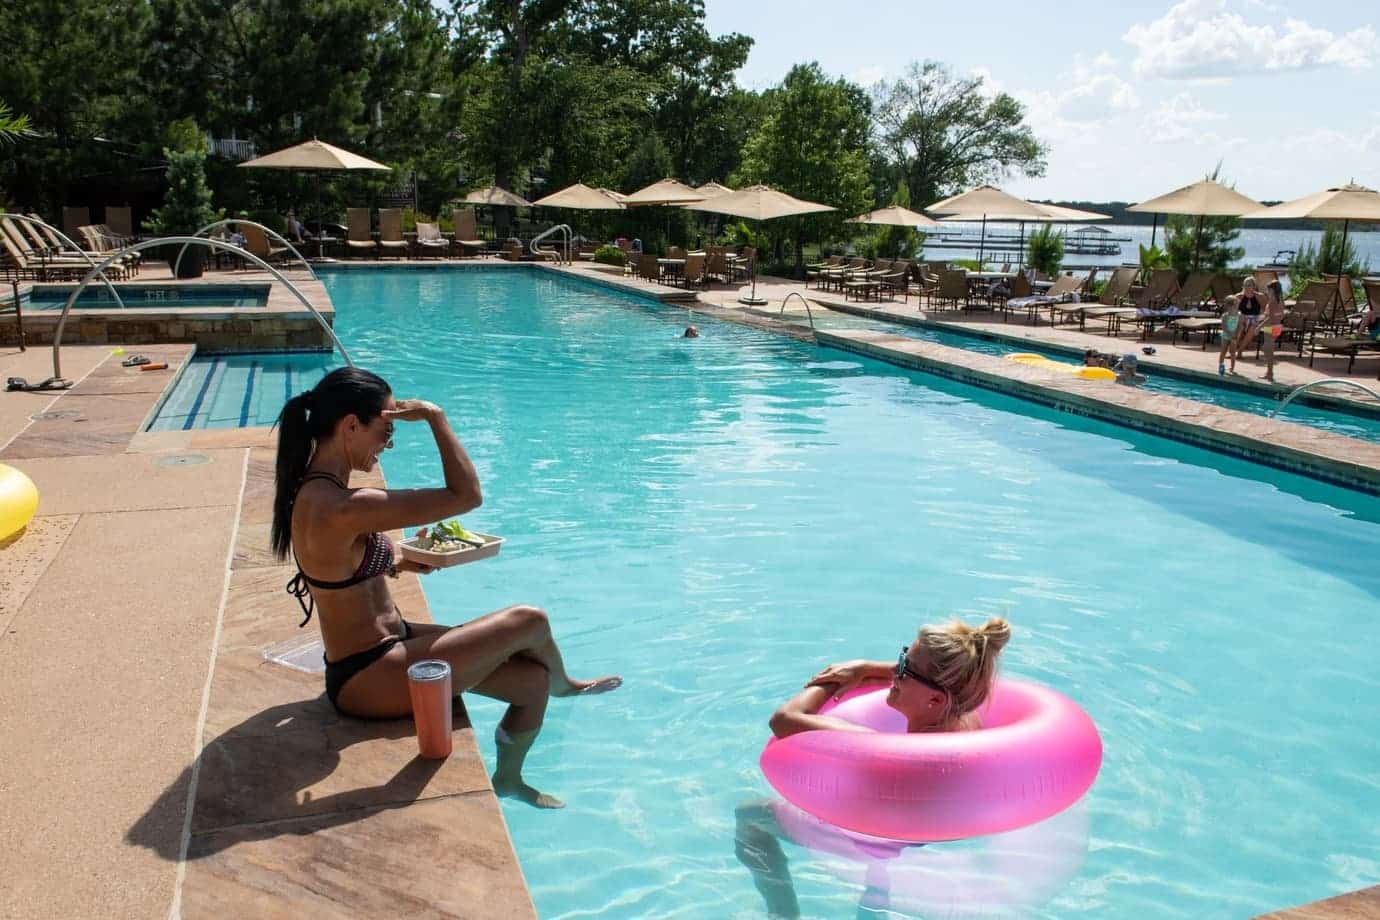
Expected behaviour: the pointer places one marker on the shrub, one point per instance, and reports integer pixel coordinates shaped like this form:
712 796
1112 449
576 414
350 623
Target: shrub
610 255
187 204
1046 250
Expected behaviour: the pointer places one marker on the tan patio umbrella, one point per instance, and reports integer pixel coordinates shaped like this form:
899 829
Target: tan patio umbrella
581 197
1345 203
667 191
987 202
616 196
316 156
759 202
1061 214
714 190
1204 198
895 216
494 195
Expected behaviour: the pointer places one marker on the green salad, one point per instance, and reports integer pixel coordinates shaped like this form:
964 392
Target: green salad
446 537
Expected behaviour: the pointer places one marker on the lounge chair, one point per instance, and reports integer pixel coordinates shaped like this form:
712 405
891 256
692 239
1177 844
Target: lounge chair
391 239
120 220
430 240
1064 290
1263 277
73 219
467 232
24 262
101 246
359 240
1194 291
816 270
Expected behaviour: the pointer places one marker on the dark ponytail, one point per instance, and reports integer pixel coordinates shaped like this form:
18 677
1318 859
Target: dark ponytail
307 420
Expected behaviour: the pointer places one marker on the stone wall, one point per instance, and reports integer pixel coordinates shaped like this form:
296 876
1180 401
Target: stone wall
217 332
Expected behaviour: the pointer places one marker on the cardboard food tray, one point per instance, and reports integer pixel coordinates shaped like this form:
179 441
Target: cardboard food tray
439 560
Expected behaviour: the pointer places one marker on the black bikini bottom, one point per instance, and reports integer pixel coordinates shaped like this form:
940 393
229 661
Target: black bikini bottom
339 672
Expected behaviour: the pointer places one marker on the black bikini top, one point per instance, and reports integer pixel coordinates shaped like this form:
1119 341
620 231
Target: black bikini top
378 560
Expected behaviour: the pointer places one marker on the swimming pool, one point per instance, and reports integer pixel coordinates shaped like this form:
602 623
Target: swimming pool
234 390
1356 424
716 519
144 296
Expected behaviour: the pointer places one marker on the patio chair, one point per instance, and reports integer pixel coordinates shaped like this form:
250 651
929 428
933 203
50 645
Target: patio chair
898 279
467 232
953 289
832 277
359 240
510 251
256 243
694 274
1263 277
746 265
648 269
1346 292
73 219
716 265
430 240
391 239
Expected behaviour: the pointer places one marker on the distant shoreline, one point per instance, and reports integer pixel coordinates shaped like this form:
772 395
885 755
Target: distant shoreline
1119 215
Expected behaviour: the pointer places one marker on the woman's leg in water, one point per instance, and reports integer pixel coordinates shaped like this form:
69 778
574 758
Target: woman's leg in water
757 847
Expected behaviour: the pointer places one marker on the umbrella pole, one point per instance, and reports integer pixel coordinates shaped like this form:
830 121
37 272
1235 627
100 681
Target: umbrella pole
1341 254
1154 225
1021 245
1197 242
320 222
982 239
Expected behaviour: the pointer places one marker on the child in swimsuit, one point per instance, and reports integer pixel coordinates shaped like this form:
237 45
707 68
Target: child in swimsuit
1231 321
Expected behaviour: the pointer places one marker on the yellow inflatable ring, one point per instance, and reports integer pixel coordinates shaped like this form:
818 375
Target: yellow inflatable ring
1096 373
18 501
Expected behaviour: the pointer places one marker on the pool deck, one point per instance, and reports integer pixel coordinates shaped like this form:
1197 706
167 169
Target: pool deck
1356 905
155 764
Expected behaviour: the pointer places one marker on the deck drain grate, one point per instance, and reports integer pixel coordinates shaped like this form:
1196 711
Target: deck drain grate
56 414
183 460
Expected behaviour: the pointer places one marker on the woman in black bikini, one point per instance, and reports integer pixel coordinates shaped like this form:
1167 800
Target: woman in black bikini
1252 304
337 536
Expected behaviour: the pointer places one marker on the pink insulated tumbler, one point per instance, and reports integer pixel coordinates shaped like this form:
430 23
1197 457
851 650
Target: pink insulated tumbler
429 684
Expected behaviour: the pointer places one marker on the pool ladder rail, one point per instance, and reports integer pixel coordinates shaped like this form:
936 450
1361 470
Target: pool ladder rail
1317 383
808 312
564 253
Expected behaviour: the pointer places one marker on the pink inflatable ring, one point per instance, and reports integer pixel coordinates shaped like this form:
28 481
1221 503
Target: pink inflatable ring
1036 754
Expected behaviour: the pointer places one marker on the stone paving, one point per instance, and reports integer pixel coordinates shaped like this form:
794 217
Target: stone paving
134 611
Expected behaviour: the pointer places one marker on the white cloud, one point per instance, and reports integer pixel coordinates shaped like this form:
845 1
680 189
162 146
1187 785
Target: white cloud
1092 94
1202 39
1179 118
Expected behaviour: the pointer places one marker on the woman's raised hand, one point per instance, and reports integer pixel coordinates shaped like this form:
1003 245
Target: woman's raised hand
843 676
412 410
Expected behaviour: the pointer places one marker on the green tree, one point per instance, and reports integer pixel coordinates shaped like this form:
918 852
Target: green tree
1311 262
942 134
12 126
1198 243
1045 247
897 242
187 205
72 68
812 143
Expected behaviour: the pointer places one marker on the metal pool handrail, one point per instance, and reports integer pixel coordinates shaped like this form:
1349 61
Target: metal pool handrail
808 313
1317 383
239 220
565 232
70 242
200 241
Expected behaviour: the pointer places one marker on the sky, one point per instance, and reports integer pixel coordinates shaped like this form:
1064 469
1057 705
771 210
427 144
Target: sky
1133 99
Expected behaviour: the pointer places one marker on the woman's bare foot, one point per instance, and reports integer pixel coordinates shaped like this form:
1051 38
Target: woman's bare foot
588 687
517 789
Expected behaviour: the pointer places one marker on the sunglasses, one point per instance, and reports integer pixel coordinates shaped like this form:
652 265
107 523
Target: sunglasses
904 670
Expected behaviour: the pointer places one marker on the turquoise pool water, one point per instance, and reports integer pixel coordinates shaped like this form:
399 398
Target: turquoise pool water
716 519
1356 425
235 390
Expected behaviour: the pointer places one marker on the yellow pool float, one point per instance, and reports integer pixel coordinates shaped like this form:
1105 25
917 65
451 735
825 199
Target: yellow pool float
1049 364
18 501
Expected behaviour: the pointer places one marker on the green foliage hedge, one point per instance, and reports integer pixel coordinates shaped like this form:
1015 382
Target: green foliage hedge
610 255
